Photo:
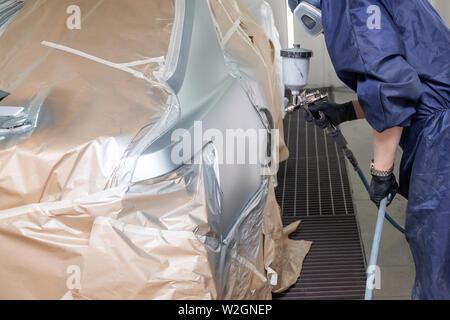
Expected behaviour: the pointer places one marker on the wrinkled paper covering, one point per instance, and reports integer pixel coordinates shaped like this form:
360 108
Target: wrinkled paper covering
88 112
71 227
283 255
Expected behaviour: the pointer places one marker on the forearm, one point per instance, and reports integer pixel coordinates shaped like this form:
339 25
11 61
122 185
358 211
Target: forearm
385 146
358 110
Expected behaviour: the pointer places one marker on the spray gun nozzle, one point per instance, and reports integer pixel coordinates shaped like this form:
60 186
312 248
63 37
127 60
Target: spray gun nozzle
305 100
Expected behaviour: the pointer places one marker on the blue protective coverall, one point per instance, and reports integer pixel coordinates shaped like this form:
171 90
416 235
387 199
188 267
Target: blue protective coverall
401 73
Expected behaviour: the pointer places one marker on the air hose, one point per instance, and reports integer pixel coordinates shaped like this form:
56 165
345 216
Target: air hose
340 140
387 216
372 269
336 134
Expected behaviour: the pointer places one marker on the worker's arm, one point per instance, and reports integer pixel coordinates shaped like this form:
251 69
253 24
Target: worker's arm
388 89
385 143
385 146
358 110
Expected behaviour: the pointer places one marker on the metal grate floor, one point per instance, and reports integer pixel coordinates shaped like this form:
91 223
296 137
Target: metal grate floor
313 186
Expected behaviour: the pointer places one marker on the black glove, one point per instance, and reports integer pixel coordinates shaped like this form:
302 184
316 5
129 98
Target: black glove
382 187
334 113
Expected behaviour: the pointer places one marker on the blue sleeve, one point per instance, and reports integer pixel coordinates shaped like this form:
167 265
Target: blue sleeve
389 88
293 4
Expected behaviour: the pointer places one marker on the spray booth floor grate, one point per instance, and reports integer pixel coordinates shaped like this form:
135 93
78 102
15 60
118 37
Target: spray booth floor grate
313 187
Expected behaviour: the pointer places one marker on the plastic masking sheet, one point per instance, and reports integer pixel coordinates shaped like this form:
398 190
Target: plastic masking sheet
72 224
251 56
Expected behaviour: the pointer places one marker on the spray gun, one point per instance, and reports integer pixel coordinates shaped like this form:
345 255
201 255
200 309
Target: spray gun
306 99
295 77
296 63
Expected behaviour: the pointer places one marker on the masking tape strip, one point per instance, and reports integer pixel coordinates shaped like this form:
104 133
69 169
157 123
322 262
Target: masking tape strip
230 33
119 66
134 229
51 209
158 60
273 275
249 265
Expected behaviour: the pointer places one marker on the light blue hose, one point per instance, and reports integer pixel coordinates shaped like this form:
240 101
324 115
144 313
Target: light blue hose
372 268
388 217
341 142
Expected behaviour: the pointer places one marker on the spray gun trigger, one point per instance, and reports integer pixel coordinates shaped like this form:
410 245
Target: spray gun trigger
317 114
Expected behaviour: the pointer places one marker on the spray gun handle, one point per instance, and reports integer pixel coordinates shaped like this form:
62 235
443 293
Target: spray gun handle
315 98
316 114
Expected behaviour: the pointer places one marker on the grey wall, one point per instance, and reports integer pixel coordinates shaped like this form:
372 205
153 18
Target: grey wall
279 8
322 71
443 7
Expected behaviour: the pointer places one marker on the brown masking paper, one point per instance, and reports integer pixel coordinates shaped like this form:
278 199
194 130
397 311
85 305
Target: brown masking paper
73 225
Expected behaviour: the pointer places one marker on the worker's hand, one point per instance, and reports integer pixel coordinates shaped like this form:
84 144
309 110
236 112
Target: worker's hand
334 113
382 187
